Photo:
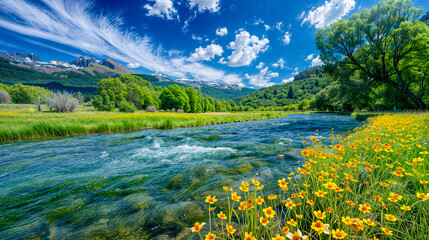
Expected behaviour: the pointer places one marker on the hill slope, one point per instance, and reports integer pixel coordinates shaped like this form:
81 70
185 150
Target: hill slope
425 18
305 86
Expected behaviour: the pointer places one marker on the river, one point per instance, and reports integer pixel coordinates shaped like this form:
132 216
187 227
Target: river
146 184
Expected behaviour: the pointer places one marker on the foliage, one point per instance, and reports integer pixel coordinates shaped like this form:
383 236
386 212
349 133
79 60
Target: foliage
385 44
372 185
141 93
4 87
305 86
126 107
28 94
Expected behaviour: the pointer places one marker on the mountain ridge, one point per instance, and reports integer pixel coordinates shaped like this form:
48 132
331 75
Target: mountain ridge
65 76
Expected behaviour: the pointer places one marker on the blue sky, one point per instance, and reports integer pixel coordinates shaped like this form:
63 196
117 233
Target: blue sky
249 43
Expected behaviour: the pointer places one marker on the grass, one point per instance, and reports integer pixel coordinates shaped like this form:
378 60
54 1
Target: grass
21 122
372 185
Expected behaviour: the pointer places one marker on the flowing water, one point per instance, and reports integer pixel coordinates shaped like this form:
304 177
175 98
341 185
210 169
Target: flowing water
146 184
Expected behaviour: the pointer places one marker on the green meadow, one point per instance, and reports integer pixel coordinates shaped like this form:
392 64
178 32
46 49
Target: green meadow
21 122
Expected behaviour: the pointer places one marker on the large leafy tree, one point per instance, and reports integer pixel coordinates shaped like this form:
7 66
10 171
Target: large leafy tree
384 44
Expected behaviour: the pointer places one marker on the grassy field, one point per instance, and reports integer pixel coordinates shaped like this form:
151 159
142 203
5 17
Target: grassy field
372 185
20 122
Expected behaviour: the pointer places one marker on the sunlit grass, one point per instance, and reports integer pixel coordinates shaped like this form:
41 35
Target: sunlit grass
372 185
19 122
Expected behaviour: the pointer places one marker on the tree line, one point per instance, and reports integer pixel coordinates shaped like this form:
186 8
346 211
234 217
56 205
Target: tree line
130 92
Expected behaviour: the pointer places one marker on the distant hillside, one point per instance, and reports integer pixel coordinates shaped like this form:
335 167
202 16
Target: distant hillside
212 89
425 18
305 86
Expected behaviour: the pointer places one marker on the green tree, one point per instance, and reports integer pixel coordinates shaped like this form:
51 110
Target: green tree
115 89
102 101
290 93
181 96
194 100
384 44
4 87
168 100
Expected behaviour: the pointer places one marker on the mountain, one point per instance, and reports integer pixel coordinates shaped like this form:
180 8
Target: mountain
213 89
305 86
425 18
74 76
113 65
20 57
57 75
83 62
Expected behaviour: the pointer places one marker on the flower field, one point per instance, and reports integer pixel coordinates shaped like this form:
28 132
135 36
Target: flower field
374 184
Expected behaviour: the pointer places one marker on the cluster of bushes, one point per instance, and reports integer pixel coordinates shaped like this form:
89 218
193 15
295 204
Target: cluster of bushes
25 94
129 93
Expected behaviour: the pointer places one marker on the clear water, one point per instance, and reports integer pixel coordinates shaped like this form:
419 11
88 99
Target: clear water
139 185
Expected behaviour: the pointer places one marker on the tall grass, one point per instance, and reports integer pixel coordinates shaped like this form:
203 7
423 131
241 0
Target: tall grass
372 185
23 122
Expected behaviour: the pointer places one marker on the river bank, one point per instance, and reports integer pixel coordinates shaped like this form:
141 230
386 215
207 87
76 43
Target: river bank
144 184
23 122
370 184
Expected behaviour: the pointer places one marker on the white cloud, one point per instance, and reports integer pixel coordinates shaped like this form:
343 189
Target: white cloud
295 71
279 26
210 5
279 64
288 80
316 62
222 31
207 53
246 49
222 61
309 57
234 80
286 38
77 25
198 38
133 65
273 74
267 27
331 11
258 21
260 65
263 79
161 8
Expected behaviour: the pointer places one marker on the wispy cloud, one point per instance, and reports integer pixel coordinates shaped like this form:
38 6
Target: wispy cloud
77 25
331 11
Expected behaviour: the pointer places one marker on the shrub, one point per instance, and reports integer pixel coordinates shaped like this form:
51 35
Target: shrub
151 109
126 107
62 102
4 96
